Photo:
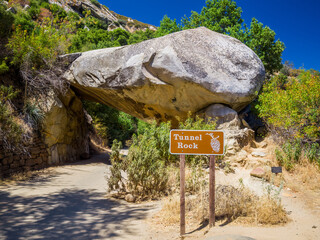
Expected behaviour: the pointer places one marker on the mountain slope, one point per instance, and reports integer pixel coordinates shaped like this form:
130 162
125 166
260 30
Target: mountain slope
102 13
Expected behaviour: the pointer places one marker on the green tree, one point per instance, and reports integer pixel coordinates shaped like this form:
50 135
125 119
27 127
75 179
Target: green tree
292 105
167 26
261 39
224 16
140 36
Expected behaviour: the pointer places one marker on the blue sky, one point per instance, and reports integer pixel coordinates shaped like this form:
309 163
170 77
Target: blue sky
296 23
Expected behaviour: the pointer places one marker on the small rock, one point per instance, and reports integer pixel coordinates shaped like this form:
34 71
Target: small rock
314 226
263 145
244 123
130 198
258 154
258 172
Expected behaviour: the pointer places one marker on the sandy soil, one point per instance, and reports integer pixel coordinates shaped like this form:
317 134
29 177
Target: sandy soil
69 202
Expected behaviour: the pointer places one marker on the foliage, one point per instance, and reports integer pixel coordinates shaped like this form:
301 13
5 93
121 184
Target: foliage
139 36
292 105
224 16
115 181
167 26
3 67
149 158
312 152
33 114
290 154
86 40
6 21
47 41
145 164
262 41
221 16
10 131
112 123
24 21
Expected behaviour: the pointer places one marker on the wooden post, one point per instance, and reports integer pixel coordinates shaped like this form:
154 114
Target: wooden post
182 196
212 191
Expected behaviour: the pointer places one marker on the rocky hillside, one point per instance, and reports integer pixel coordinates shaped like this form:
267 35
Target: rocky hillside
102 13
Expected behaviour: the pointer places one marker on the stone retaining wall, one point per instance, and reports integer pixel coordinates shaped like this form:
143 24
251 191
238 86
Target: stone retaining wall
36 158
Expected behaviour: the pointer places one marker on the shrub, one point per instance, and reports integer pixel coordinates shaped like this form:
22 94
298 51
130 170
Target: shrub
291 106
149 159
231 203
312 152
36 53
116 182
10 131
3 67
33 114
111 123
289 155
6 21
145 164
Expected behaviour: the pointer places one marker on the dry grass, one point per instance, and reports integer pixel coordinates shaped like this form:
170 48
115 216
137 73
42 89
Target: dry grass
269 211
305 175
232 203
27 175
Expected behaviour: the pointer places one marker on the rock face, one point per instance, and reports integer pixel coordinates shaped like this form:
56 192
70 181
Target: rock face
167 77
102 13
65 129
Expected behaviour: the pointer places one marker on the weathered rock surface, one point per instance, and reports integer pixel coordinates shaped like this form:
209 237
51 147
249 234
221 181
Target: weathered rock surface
102 13
65 129
167 77
224 117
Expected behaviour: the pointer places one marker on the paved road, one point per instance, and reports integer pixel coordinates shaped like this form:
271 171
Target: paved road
69 203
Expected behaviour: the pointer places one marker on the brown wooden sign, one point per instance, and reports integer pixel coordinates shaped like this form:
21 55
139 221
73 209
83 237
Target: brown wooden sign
197 142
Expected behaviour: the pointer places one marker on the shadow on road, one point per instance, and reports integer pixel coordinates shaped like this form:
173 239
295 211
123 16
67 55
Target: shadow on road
69 214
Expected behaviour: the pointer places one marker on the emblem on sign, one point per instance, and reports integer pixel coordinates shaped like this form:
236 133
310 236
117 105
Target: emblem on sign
215 144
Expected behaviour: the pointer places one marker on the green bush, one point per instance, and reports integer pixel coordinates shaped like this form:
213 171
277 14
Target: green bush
10 131
110 123
3 67
116 182
33 114
312 152
42 46
149 159
292 105
6 21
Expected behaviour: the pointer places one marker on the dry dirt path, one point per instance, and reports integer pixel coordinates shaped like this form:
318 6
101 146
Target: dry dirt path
69 203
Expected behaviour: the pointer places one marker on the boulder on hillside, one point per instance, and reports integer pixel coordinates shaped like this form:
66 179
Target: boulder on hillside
167 77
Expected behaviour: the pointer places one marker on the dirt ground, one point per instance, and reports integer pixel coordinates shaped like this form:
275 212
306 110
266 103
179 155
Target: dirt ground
69 202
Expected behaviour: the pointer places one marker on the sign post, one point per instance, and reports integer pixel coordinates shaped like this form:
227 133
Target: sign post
182 196
197 142
212 183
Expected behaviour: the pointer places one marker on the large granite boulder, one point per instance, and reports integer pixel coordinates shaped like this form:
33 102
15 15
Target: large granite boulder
167 77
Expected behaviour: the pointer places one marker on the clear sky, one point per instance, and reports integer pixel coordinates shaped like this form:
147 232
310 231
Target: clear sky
296 22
